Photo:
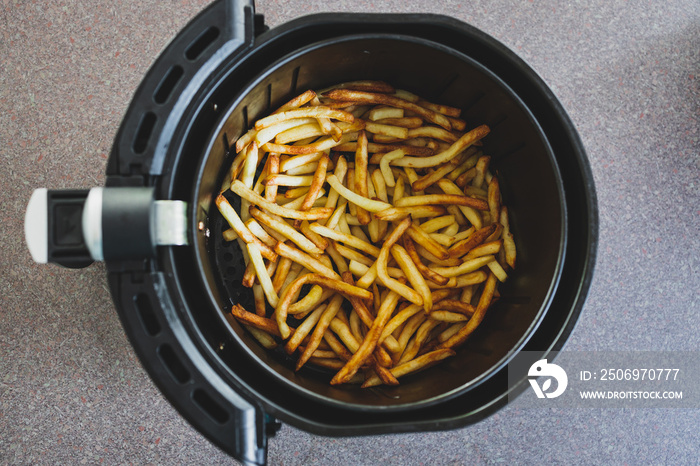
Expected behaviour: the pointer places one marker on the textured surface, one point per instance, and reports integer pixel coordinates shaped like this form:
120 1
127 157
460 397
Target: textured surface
71 388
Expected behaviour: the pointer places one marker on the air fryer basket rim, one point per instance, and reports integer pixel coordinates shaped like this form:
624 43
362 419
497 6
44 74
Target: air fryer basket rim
552 289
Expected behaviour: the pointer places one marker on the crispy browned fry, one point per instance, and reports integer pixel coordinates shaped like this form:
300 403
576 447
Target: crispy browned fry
460 281
306 260
481 308
421 362
250 318
318 179
305 112
286 230
422 268
413 275
259 297
363 312
484 249
382 261
508 242
315 238
454 305
254 198
281 273
305 305
375 98
273 168
432 132
304 329
297 161
328 363
394 214
370 341
481 166
345 238
321 145
444 109
442 199
418 340
465 267
375 148
433 177
297 101
390 131
423 239
462 247
317 336
494 200
361 176
282 307
466 177
288 180
448 316
445 156
367 85
405 122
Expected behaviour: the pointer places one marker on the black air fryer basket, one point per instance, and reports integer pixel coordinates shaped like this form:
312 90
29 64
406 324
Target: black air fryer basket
173 278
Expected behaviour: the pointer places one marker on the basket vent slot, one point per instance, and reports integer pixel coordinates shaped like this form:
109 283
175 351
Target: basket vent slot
143 133
200 44
166 86
207 404
145 311
173 364
295 79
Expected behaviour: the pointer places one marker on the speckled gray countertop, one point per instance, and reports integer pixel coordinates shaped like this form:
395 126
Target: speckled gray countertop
628 73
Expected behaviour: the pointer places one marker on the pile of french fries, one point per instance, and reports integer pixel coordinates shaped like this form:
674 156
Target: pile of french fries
372 230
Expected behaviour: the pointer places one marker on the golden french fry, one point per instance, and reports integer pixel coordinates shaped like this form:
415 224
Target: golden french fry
304 329
345 238
442 199
380 113
306 112
484 302
464 268
421 362
383 99
360 201
370 341
324 321
393 214
462 247
306 260
508 242
445 156
422 268
255 199
406 122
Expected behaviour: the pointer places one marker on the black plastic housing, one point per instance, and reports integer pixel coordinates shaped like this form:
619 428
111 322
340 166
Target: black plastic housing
173 306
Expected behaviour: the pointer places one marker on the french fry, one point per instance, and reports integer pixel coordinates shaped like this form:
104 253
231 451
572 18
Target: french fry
370 341
286 230
306 112
484 302
324 321
422 268
255 199
421 362
383 99
360 201
445 156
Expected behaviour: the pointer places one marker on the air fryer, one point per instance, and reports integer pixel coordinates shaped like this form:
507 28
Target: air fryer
220 74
